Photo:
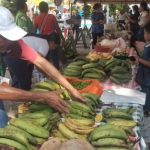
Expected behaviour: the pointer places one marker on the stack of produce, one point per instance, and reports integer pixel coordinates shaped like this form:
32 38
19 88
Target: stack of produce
100 70
74 69
120 117
78 123
85 70
110 137
30 129
119 70
50 85
92 99
93 70
80 110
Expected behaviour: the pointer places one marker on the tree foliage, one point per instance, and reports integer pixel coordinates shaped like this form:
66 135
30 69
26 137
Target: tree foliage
86 10
10 4
120 7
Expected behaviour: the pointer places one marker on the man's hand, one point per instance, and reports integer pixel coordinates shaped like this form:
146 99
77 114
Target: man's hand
78 96
53 99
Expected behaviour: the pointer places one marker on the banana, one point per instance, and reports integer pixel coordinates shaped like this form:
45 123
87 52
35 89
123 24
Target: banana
81 127
67 133
75 116
82 122
93 97
113 64
80 112
36 115
54 84
38 106
40 121
74 67
129 110
96 134
80 130
30 128
80 106
40 141
45 85
122 122
30 138
117 114
118 70
14 135
90 65
111 133
12 143
110 61
72 74
109 142
39 90
93 75
121 77
93 70
113 79
79 63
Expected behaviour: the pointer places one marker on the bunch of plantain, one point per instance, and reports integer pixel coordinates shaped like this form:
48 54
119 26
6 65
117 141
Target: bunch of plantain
74 128
74 69
80 110
93 70
109 136
119 70
118 113
120 117
49 85
92 99
30 129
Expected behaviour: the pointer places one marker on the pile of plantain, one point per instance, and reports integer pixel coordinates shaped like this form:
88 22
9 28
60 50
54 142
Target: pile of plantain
120 117
110 137
49 85
30 129
119 70
82 68
78 123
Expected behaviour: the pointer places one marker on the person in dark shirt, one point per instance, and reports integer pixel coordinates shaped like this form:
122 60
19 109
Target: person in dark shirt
144 69
77 25
98 20
134 26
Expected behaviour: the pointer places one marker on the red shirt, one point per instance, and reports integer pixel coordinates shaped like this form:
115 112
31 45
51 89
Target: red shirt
28 53
23 52
50 23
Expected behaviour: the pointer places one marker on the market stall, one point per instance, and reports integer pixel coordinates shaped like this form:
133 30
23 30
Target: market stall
108 122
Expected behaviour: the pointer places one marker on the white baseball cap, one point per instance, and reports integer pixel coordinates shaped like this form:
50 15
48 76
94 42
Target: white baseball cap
8 27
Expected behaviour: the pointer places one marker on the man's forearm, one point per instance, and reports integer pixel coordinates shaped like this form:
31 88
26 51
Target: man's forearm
53 73
9 93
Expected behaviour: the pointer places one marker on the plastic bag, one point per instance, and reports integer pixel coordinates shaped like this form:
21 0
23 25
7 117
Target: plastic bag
94 87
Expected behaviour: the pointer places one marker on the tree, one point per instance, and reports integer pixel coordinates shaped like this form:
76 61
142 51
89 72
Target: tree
86 10
10 4
120 7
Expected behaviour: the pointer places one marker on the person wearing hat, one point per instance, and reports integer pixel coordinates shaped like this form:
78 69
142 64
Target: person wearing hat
11 44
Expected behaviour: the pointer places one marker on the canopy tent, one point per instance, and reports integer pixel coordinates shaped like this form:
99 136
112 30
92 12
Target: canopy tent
113 1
